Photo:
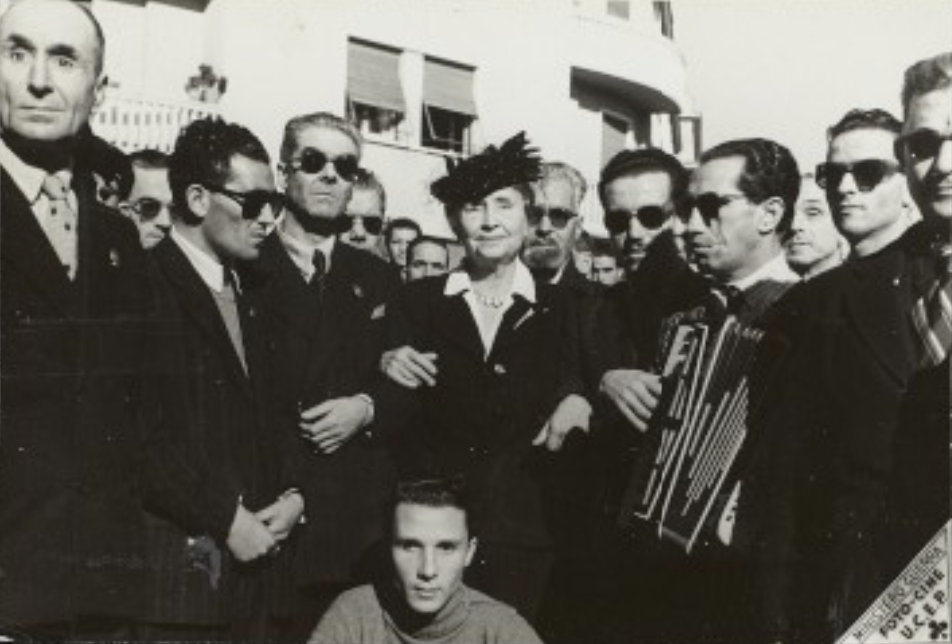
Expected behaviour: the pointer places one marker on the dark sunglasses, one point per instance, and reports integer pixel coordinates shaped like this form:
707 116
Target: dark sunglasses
651 217
709 204
867 174
372 225
921 144
252 202
314 161
558 217
147 208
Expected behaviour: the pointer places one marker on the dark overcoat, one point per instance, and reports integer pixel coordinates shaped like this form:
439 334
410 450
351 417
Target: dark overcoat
71 534
324 344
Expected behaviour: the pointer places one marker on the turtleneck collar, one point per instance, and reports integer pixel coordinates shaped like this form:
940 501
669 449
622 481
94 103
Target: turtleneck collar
414 628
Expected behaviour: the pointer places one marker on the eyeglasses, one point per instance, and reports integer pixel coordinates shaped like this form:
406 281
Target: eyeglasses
921 144
148 208
867 174
558 217
373 225
651 217
252 202
314 161
709 204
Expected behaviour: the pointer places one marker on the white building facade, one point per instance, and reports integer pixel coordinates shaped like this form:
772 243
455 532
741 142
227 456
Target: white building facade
424 79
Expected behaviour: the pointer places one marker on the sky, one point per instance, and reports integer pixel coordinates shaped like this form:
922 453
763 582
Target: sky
788 69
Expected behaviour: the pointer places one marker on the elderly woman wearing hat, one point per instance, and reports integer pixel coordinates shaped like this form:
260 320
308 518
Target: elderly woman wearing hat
488 364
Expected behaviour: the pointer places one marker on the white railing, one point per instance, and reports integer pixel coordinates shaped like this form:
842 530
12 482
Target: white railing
133 123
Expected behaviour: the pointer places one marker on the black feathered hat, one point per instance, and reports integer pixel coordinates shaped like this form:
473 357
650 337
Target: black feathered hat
472 179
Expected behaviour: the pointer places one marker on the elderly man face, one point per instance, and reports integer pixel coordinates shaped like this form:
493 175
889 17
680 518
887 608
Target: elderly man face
926 150
813 244
319 176
553 226
50 69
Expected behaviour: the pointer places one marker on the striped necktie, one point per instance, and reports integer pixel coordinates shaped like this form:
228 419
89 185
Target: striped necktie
932 315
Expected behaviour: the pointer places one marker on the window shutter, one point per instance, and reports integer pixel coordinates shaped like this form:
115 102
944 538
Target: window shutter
373 75
448 86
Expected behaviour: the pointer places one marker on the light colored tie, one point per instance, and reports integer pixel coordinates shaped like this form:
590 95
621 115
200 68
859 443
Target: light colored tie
932 316
60 222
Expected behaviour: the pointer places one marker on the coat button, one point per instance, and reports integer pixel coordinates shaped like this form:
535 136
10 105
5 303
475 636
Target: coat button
499 370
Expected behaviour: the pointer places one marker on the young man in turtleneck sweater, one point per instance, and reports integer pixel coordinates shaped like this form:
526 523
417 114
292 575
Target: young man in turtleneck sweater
425 600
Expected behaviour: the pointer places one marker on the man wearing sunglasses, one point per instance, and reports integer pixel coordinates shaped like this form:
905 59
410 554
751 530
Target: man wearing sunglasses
864 184
639 190
222 498
555 226
861 448
365 213
147 198
323 304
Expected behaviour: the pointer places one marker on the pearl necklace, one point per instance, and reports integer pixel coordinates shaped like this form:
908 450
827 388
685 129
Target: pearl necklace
489 301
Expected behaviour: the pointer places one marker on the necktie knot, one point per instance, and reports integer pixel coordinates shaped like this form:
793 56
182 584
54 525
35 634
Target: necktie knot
54 187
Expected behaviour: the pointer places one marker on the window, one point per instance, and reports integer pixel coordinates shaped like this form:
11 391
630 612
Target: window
448 106
374 94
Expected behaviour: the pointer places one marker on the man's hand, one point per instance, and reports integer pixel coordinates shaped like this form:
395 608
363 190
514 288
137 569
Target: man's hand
249 538
635 394
408 367
334 422
573 412
281 516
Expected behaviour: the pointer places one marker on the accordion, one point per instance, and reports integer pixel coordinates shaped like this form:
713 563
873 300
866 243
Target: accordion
681 476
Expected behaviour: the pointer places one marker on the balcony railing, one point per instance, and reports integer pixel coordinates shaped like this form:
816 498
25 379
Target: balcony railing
134 123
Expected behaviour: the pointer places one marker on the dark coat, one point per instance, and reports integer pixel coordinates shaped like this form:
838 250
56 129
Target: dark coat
828 482
209 445
71 534
482 415
627 330
323 346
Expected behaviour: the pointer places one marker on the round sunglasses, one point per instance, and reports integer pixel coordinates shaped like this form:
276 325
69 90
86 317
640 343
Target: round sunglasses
651 217
558 217
314 161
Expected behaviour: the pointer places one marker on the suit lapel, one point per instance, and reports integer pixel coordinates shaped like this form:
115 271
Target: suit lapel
519 316
454 322
26 247
198 304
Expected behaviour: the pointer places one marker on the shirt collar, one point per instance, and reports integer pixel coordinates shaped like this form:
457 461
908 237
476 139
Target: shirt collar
522 283
301 251
26 177
209 269
776 270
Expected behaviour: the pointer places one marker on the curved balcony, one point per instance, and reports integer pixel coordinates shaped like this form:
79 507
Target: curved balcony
629 60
